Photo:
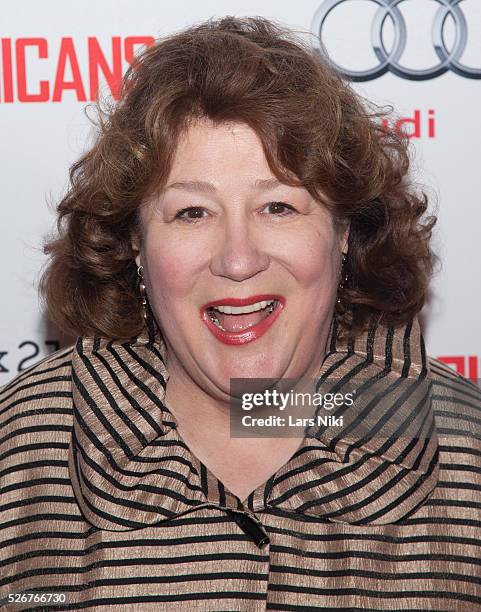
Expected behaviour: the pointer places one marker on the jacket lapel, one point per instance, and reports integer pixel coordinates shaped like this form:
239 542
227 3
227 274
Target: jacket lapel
129 467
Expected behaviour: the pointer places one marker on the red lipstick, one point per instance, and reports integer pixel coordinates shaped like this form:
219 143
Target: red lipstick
250 334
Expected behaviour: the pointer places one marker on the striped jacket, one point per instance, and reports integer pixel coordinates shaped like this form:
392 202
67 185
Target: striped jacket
103 506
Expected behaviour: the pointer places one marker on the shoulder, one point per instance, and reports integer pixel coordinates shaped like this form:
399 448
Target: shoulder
36 401
50 375
36 419
456 403
451 387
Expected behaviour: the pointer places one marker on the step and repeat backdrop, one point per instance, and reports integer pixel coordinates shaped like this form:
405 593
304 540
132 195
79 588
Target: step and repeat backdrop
422 57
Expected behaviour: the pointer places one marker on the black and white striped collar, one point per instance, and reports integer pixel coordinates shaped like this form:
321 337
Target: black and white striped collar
130 468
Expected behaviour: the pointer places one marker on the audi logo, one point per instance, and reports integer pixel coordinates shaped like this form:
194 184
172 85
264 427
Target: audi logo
389 61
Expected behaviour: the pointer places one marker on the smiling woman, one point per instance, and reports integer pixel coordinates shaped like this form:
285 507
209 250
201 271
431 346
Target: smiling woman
254 242
243 215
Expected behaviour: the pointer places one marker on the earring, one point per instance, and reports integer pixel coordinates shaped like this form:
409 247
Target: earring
344 275
143 293
146 310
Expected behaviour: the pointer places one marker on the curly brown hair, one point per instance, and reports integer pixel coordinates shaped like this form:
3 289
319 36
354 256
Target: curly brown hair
315 131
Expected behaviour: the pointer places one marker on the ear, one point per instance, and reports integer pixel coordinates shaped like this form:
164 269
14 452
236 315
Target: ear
135 243
344 236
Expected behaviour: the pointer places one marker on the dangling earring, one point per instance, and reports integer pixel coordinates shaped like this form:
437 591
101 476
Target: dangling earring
344 275
146 310
143 293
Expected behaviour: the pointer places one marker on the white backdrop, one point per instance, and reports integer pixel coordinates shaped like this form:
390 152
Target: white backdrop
50 55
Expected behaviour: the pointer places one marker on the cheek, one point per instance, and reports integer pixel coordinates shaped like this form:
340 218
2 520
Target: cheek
312 257
171 266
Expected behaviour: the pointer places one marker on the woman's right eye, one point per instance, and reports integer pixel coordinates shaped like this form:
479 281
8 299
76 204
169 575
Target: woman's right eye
190 214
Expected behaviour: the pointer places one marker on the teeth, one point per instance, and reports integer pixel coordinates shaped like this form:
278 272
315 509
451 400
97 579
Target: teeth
270 304
214 318
245 309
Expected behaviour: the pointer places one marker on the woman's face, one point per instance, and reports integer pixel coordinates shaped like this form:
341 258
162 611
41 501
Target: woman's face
225 230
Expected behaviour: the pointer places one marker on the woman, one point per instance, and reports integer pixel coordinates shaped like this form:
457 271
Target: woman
241 215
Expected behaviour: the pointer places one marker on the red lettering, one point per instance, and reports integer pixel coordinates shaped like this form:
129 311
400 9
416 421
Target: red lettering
456 361
20 46
473 367
97 61
17 80
431 124
401 125
67 53
466 366
416 122
132 41
7 69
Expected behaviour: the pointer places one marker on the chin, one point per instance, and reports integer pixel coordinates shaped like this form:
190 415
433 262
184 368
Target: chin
258 366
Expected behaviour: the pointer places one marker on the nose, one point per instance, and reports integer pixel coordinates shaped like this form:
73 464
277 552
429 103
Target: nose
240 252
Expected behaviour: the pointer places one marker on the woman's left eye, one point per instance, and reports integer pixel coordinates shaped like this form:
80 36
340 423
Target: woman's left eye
280 209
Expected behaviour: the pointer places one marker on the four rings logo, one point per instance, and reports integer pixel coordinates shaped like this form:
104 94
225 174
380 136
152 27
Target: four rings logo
390 60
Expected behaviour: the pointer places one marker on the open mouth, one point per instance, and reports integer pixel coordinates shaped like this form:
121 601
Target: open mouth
239 318
234 321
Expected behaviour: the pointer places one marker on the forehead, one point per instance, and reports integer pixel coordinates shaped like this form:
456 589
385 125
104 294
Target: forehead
204 140
224 153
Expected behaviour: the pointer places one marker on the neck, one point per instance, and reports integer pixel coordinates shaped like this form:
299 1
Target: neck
192 405
202 413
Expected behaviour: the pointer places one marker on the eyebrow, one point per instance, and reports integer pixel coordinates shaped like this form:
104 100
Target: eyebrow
206 187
